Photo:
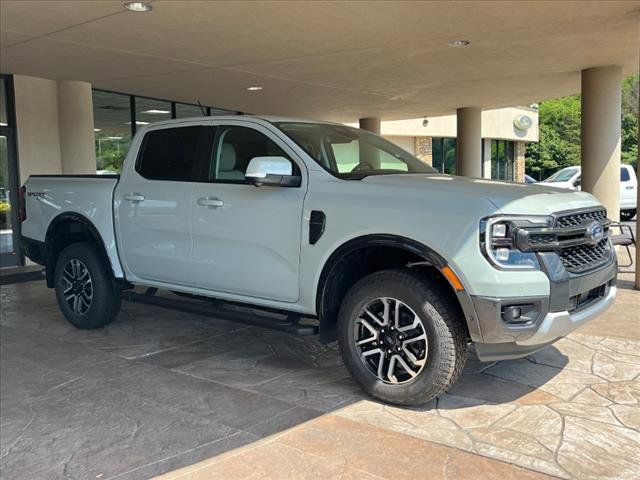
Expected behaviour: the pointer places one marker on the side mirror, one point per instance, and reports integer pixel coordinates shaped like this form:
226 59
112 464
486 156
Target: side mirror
274 171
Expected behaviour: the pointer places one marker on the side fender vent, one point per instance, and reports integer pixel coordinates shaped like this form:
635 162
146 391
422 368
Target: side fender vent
317 222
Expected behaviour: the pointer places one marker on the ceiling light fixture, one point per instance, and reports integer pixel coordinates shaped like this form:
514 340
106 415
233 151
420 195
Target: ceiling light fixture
97 129
137 6
153 111
254 88
114 138
425 122
459 43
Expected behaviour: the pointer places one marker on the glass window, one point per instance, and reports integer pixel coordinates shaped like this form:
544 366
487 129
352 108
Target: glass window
351 153
184 110
112 127
236 146
624 175
149 110
563 175
174 153
443 154
502 159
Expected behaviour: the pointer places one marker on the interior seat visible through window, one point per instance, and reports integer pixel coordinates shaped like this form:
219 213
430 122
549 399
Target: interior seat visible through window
236 146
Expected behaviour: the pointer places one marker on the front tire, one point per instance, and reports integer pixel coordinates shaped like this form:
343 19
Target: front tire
402 339
85 290
626 215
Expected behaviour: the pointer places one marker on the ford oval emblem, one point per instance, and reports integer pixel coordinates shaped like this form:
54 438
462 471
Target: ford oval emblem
594 232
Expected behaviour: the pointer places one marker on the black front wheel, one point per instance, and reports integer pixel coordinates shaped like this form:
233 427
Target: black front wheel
85 290
402 338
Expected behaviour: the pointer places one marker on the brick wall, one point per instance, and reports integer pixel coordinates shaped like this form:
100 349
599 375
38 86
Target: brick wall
519 162
424 149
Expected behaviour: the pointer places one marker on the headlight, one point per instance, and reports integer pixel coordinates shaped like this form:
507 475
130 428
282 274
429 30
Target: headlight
497 241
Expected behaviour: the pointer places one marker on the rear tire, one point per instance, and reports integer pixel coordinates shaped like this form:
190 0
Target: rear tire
626 215
85 290
417 309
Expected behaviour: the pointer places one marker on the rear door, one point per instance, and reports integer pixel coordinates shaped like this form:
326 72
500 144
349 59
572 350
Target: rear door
246 239
153 204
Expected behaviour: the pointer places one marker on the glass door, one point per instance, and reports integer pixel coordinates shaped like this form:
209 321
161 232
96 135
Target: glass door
9 233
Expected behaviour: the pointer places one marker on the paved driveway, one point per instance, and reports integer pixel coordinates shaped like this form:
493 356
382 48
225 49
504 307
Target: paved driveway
158 390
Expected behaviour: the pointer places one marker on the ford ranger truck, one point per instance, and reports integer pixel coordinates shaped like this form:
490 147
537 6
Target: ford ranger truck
403 266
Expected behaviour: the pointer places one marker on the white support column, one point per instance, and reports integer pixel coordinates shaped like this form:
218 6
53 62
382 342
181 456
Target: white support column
600 147
371 124
469 144
367 154
75 120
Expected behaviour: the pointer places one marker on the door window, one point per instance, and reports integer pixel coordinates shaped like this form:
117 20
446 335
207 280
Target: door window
174 154
235 147
624 175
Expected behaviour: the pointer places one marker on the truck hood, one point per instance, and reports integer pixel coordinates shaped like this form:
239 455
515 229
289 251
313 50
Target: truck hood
507 197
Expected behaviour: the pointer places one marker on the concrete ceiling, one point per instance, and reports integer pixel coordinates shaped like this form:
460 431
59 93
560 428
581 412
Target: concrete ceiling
328 60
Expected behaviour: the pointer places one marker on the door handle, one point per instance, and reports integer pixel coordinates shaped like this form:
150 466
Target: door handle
134 197
210 202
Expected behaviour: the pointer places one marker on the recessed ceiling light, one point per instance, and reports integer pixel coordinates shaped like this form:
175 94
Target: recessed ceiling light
459 43
153 111
97 129
137 6
254 88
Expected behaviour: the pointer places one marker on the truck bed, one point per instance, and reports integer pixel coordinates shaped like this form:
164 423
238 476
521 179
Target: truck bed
51 198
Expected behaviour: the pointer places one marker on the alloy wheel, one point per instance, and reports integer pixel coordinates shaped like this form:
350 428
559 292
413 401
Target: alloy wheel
77 286
391 340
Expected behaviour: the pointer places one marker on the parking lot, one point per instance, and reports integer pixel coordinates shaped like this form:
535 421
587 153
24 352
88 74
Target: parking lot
159 390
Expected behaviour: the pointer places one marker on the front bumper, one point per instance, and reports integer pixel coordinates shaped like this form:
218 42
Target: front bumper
573 301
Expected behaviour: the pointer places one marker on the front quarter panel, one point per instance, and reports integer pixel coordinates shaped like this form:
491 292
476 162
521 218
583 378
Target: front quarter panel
446 223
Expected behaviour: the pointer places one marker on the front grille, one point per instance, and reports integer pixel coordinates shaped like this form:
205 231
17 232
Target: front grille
580 218
581 258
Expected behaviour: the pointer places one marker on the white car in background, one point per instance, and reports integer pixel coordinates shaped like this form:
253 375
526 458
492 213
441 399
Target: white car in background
570 177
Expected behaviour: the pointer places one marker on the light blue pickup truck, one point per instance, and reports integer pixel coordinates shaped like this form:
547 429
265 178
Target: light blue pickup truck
321 228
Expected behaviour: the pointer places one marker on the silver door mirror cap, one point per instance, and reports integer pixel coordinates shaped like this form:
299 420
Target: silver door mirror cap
272 171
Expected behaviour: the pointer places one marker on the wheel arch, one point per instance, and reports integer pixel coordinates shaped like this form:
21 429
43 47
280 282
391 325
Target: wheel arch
68 228
366 254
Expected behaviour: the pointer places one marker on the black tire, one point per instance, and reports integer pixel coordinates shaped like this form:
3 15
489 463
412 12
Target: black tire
626 215
443 324
105 296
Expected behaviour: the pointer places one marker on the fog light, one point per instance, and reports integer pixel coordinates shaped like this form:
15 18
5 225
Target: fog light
502 254
511 314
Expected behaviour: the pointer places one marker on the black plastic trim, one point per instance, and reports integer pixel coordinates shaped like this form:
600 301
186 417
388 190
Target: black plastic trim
331 270
317 221
50 255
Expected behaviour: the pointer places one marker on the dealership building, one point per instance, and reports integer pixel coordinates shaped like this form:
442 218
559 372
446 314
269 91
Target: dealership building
78 78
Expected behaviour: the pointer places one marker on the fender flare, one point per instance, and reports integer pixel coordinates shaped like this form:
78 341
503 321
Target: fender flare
430 256
50 255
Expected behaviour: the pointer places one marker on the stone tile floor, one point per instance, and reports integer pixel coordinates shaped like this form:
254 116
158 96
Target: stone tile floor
158 390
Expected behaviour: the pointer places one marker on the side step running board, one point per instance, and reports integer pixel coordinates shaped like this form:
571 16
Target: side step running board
289 325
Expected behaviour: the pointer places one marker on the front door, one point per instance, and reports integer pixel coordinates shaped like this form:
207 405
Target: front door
153 204
246 239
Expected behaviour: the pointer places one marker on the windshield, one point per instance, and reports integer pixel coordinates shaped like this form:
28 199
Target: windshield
563 175
351 153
